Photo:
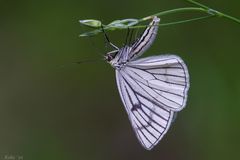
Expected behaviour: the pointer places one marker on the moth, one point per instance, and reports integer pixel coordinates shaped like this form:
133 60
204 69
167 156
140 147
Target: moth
152 89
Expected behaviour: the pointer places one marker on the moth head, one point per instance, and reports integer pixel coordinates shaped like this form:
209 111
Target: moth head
110 55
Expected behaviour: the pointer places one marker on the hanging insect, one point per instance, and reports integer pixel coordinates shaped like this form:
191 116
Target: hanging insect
152 89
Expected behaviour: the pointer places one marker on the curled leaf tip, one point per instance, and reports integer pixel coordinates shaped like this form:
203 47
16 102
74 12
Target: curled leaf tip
91 23
124 23
147 18
91 33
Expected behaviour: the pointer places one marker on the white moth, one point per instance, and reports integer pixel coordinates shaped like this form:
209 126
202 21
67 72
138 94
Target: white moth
152 89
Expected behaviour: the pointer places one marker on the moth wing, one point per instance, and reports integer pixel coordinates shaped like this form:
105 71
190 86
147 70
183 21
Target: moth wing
146 39
163 79
149 120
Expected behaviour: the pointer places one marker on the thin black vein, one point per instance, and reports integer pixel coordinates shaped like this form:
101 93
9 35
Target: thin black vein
140 115
150 96
152 89
137 81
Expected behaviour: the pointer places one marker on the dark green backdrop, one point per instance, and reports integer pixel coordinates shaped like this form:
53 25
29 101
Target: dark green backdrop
53 109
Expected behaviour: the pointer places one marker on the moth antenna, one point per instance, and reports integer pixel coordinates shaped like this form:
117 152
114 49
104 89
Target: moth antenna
88 61
136 35
95 47
131 34
126 40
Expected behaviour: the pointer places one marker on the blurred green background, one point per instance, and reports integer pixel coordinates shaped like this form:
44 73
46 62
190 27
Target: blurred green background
51 108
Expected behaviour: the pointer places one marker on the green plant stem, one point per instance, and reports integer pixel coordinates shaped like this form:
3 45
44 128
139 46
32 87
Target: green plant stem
91 33
200 8
220 14
215 12
177 22
203 8
198 4
177 10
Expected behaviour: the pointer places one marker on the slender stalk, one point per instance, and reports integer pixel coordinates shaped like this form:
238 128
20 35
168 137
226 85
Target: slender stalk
204 9
132 23
177 10
214 12
229 17
177 22
198 4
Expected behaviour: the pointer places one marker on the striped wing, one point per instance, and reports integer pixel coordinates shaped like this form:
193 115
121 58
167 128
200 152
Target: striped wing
149 120
146 40
164 78
152 89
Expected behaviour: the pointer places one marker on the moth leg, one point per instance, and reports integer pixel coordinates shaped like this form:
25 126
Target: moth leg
110 43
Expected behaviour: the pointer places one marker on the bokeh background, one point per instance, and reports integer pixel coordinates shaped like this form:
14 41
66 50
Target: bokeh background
51 108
